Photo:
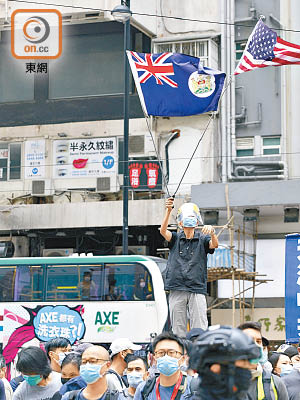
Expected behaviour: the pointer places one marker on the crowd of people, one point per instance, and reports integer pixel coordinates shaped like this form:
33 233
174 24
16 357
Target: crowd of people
217 363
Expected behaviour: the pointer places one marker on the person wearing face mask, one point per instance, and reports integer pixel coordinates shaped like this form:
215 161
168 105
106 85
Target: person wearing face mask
281 364
70 375
186 271
119 349
141 291
222 357
171 383
94 366
137 372
265 363
292 380
56 350
40 382
263 383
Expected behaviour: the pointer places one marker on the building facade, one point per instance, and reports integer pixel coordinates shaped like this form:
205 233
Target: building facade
58 129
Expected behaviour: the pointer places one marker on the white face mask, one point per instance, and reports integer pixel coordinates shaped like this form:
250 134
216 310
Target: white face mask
296 365
62 356
256 372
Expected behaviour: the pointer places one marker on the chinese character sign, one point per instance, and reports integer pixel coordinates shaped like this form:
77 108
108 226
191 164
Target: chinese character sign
85 158
60 321
145 175
34 159
292 287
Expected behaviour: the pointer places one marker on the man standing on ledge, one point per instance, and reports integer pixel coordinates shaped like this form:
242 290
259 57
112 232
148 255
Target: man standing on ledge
186 273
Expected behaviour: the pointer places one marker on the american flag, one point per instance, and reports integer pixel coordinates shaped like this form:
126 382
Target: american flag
265 48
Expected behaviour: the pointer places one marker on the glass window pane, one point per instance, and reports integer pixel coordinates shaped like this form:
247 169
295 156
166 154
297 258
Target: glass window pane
271 141
244 153
62 282
271 151
3 161
15 83
15 161
165 48
7 278
29 283
75 282
91 282
90 65
188 48
128 282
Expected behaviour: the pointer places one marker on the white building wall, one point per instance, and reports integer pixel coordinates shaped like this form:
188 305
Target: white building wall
194 10
202 166
270 256
290 19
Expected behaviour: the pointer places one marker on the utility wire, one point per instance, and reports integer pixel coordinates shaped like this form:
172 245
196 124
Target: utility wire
153 15
137 159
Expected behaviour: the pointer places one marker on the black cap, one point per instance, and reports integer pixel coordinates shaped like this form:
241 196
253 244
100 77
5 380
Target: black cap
265 341
194 333
291 351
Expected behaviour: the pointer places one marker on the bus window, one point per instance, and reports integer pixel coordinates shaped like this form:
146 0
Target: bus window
7 277
74 282
128 282
29 283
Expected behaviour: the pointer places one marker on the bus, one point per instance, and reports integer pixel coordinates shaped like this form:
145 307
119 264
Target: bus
89 299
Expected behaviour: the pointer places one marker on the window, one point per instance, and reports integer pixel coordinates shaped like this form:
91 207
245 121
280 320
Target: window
29 283
244 147
90 65
10 161
206 50
271 145
7 280
239 49
74 282
127 282
15 83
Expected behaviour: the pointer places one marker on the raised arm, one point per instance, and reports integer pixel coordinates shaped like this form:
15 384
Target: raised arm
209 230
164 225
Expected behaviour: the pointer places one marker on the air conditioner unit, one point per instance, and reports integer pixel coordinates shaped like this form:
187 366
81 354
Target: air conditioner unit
107 184
57 252
21 244
138 250
103 184
42 188
141 146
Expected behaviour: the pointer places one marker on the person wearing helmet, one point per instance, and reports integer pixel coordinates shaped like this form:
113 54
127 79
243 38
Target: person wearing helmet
186 272
222 357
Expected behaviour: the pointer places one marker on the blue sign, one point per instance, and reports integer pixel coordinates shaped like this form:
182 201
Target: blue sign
60 321
108 162
35 171
292 288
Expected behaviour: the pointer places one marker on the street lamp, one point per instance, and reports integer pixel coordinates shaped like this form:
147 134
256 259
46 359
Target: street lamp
122 13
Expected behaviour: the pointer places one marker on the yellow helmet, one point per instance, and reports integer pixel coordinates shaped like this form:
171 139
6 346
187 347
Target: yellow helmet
189 210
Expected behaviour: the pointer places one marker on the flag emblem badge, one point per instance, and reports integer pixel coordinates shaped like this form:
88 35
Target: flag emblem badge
201 85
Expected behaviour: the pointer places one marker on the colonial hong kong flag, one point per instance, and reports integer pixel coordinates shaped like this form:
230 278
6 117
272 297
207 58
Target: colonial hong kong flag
265 48
171 84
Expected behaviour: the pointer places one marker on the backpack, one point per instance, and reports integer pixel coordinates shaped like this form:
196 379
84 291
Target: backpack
123 382
150 384
109 395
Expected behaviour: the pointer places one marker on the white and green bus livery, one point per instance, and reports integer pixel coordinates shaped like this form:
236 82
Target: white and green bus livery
91 299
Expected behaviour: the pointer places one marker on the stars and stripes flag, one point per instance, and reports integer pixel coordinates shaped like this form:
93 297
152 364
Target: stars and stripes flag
173 84
265 48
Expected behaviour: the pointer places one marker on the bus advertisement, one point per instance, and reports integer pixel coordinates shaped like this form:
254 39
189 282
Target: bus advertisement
89 299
